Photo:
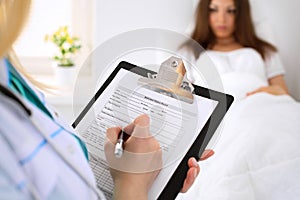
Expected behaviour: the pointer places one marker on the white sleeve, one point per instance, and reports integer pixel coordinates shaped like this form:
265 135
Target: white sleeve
274 66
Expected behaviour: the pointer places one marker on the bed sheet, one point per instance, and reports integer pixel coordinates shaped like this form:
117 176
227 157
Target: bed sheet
258 153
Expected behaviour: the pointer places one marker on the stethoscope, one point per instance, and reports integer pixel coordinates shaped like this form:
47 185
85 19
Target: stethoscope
61 154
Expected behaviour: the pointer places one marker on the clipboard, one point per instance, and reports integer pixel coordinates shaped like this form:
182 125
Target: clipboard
173 185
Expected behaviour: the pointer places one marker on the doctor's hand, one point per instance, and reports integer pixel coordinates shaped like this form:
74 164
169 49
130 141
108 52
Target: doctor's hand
194 170
134 173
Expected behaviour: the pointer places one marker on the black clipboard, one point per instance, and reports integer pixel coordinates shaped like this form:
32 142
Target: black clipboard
175 183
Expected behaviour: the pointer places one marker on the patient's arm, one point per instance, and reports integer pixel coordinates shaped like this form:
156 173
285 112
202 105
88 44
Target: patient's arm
277 86
279 80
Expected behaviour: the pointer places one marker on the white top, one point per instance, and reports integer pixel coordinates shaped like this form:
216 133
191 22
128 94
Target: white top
238 71
247 60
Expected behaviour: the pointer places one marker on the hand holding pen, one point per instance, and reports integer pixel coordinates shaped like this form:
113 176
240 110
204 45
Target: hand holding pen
131 173
133 149
119 148
134 170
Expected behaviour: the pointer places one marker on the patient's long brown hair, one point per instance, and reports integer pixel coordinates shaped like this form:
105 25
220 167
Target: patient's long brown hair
244 30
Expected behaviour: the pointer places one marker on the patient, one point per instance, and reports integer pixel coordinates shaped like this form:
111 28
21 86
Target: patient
225 29
257 155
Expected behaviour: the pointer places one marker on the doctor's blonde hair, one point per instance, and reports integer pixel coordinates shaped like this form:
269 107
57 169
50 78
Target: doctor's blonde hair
13 16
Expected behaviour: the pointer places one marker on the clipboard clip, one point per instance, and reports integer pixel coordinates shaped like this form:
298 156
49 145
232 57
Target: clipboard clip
170 80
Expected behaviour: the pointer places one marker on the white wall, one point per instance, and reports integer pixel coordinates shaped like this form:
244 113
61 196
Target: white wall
116 16
277 17
282 17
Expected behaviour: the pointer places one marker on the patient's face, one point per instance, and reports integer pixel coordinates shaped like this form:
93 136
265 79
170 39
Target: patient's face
222 18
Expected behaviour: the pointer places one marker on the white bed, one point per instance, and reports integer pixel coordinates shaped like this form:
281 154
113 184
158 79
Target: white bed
257 155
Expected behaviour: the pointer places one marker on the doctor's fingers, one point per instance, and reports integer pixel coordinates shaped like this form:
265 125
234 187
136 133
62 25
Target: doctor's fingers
191 175
140 128
112 134
142 153
207 154
194 170
141 140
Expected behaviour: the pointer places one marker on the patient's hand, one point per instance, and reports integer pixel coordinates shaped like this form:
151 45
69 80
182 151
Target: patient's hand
277 86
272 89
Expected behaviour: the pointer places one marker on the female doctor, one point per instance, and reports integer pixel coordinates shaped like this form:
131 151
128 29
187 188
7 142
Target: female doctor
41 158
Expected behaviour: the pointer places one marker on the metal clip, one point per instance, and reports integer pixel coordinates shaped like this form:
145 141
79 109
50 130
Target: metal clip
170 80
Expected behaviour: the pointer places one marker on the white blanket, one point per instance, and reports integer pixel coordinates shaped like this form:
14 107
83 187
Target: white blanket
258 154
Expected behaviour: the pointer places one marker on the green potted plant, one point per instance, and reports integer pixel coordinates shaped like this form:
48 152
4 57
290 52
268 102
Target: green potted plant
67 46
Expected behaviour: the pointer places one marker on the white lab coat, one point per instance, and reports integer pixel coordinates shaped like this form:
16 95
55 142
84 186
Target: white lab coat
30 168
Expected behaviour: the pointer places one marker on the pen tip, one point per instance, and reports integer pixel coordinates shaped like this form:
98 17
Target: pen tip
118 153
118 150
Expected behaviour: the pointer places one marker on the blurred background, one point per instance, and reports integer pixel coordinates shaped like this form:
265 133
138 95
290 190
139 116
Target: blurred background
96 21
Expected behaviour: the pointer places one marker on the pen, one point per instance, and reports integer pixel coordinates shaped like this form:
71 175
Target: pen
119 148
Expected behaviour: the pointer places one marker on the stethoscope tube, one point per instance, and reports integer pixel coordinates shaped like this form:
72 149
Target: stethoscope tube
11 95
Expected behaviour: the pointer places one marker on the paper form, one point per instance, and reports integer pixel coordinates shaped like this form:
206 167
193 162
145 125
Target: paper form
175 124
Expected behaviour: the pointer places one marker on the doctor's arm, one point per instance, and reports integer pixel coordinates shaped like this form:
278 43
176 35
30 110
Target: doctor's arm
7 189
10 186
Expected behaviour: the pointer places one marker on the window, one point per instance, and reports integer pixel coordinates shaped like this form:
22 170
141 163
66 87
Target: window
45 17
